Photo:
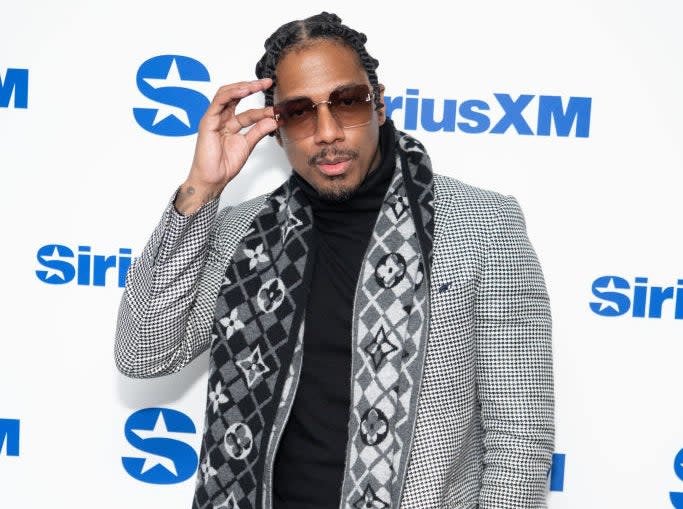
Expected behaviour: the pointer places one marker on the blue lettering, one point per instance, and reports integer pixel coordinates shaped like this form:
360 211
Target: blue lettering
16 81
102 264
557 472
646 301
124 265
182 458
620 303
192 103
474 119
9 433
447 122
678 465
88 270
470 110
410 119
677 497
639 297
84 265
578 111
391 104
59 271
512 114
657 297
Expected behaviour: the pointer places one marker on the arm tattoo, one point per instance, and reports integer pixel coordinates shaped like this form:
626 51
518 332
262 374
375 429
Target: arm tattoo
186 200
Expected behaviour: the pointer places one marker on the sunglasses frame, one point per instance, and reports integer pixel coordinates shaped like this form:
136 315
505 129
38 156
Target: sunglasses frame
312 106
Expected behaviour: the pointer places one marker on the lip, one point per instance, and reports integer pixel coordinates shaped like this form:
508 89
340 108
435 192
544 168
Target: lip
332 169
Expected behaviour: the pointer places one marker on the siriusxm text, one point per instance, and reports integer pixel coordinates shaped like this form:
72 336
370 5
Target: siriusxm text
9 436
676 496
159 436
61 265
639 298
167 81
14 84
557 472
555 115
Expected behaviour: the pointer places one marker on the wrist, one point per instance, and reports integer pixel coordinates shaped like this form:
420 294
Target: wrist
193 195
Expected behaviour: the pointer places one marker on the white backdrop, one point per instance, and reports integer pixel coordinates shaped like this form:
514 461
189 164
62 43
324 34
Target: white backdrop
84 179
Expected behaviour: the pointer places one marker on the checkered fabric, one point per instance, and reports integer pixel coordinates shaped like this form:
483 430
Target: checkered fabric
164 320
484 427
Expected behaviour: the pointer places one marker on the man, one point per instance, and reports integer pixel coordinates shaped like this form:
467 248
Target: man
379 335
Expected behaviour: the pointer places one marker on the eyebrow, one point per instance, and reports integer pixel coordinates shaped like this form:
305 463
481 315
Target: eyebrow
340 87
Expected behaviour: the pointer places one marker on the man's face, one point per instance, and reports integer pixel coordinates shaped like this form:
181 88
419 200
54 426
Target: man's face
334 160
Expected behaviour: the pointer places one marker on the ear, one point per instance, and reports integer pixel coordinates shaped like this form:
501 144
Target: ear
382 111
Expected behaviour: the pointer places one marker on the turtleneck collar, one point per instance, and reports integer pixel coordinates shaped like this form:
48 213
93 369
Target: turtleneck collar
370 193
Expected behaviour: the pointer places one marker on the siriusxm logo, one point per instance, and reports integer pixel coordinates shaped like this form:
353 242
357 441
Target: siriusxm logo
555 115
160 434
677 497
9 436
617 296
14 83
61 265
556 474
166 80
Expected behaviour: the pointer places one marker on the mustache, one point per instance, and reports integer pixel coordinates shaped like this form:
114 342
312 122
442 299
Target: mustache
331 153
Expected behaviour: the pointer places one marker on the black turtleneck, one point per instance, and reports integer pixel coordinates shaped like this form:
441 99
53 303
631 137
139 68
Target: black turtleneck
309 465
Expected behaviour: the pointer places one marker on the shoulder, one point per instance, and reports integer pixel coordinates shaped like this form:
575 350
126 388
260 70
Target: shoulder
453 194
463 211
475 222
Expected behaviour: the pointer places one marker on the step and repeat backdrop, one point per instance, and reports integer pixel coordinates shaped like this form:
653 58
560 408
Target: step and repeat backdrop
574 108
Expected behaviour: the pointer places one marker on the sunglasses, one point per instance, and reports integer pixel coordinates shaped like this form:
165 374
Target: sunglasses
351 106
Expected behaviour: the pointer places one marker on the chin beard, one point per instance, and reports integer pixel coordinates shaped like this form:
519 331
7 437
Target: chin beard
337 193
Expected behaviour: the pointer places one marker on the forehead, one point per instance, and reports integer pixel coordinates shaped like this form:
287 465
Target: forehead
316 69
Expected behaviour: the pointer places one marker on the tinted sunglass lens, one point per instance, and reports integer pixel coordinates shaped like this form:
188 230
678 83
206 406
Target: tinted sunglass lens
296 117
351 106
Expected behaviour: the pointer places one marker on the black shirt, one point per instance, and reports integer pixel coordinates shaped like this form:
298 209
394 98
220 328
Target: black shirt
309 465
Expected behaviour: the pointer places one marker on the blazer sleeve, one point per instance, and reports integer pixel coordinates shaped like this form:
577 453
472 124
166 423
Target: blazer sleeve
514 368
166 310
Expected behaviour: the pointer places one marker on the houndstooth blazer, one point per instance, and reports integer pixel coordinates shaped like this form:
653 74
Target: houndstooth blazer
484 434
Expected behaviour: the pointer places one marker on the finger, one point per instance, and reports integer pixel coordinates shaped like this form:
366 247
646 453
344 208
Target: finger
226 100
233 93
247 118
259 130
243 88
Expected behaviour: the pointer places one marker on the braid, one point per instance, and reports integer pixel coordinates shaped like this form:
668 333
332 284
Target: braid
300 32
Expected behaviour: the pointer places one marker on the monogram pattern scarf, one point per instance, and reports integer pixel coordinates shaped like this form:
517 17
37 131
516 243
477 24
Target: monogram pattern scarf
257 338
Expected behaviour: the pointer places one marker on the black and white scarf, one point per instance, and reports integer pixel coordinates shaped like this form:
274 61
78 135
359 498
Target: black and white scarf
258 335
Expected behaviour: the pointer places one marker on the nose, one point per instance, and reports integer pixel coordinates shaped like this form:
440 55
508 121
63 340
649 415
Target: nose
327 130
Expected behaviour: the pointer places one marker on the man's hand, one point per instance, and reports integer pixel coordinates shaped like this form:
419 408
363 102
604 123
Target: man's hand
222 148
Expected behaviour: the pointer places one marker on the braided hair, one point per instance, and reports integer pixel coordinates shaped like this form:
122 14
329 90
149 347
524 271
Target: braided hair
299 33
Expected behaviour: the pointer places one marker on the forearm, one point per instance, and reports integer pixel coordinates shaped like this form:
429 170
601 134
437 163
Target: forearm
193 194
153 337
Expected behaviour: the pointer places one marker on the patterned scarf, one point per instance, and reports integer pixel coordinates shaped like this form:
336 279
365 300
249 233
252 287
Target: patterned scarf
257 346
